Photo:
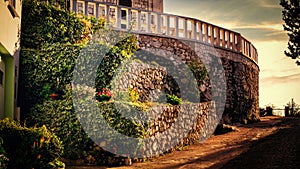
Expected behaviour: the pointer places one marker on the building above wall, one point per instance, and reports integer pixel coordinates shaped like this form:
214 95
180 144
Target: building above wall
10 14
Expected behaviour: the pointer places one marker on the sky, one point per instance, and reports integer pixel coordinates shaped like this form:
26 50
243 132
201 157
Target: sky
260 21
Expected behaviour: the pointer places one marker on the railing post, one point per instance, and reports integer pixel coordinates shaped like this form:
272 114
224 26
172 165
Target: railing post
75 6
119 17
177 27
86 8
149 22
168 25
206 33
224 38
97 11
195 29
107 14
129 19
212 36
159 23
200 32
185 27
228 39
139 21
218 36
250 47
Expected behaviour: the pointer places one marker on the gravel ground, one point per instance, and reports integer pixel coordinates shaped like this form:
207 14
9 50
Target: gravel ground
271 143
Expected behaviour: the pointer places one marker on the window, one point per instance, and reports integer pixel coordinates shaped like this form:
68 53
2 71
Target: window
91 10
102 11
1 78
112 12
80 7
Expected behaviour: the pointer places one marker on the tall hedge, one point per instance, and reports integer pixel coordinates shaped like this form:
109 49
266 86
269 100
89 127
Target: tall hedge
52 41
42 23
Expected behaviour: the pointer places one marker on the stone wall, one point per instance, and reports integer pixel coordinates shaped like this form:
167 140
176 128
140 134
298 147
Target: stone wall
241 73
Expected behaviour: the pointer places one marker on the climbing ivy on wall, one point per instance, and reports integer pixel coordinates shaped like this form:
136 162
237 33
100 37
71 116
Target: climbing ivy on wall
42 23
52 40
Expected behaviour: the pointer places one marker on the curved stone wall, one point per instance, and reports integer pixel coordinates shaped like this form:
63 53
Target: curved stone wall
242 73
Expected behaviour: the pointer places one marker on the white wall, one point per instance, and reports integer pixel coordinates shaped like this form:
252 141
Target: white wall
10 26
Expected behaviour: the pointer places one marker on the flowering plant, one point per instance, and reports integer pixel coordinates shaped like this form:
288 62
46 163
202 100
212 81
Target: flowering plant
103 95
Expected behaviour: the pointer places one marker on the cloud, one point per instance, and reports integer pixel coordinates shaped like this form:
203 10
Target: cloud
281 79
219 11
255 19
270 4
263 34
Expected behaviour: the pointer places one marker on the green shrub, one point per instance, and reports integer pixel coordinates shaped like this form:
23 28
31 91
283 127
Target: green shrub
3 159
29 148
47 71
42 23
173 99
60 118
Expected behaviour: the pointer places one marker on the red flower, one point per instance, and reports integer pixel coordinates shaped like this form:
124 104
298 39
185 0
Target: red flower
54 96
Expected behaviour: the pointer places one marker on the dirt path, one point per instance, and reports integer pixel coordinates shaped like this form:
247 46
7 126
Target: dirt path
218 150
280 150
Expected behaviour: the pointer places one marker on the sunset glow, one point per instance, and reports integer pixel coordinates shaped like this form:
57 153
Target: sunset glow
260 21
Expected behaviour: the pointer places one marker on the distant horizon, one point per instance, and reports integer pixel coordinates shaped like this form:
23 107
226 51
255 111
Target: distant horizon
259 21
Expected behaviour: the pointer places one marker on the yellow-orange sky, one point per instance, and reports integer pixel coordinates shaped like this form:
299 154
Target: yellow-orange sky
260 21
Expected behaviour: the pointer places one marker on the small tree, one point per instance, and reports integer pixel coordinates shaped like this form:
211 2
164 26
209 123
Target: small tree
293 108
291 17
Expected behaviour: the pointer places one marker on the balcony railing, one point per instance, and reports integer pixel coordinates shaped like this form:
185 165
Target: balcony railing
149 22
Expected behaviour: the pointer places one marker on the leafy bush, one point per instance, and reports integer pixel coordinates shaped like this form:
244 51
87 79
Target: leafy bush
60 118
3 159
173 99
47 71
42 23
199 71
30 147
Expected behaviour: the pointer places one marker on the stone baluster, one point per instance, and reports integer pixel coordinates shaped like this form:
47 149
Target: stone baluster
177 26
223 38
212 34
149 22
218 36
119 18
168 25
239 43
205 29
129 19
159 23
107 13
185 28
97 11
227 39
194 27
74 6
86 8
139 21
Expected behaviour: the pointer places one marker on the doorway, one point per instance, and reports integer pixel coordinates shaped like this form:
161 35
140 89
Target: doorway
125 3
2 82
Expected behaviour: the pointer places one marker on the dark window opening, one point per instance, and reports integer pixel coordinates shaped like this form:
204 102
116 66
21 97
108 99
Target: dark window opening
1 77
125 3
12 8
123 14
12 3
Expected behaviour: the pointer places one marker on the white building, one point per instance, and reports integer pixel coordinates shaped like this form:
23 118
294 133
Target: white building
10 14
